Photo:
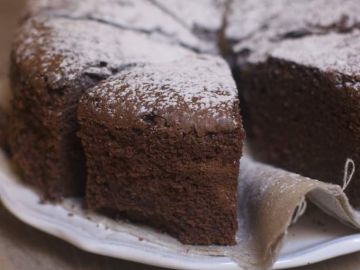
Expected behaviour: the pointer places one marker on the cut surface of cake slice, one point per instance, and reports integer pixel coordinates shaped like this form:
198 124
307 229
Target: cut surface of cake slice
298 74
163 143
308 89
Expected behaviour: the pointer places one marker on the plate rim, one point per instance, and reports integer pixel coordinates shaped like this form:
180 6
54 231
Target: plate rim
323 251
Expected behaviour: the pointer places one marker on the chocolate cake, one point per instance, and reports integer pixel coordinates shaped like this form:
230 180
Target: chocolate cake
164 108
299 71
130 97
165 150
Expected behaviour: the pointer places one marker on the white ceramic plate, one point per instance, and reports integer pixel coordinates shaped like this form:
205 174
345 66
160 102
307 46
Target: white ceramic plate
314 238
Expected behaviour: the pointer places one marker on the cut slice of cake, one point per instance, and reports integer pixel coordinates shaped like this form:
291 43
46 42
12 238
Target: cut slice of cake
303 101
162 144
298 74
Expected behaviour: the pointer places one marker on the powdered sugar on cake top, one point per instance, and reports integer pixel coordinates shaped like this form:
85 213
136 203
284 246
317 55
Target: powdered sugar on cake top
333 52
288 18
142 69
192 85
317 33
65 48
206 15
138 15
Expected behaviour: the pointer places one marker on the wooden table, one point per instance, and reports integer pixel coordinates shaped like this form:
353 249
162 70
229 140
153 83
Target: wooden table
25 248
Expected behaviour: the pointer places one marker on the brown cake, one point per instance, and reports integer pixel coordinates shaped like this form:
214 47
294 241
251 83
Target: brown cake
171 161
134 89
300 72
165 150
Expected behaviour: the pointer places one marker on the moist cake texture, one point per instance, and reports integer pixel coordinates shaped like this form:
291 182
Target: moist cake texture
301 74
144 16
166 151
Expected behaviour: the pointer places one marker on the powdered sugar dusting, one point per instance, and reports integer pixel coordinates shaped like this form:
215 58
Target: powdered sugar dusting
67 48
317 33
248 16
205 15
276 19
332 52
141 15
191 85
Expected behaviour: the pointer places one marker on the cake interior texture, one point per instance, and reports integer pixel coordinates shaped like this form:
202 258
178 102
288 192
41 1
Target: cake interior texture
155 157
314 121
182 183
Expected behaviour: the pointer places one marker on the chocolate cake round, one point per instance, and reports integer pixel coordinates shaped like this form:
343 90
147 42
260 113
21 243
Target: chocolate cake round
131 103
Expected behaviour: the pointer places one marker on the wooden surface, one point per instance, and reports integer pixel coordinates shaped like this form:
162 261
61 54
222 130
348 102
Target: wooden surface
25 248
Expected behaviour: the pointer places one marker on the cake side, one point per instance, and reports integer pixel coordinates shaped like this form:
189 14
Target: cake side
165 151
297 74
308 89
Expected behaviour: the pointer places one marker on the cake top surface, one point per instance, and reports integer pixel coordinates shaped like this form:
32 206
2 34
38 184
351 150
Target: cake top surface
318 33
199 15
138 15
143 72
333 52
196 90
65 49
263 26
283 19
154 46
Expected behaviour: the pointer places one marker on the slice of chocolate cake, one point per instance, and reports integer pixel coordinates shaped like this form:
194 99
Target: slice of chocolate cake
54 60
303 104
298 75
163 143
287 19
